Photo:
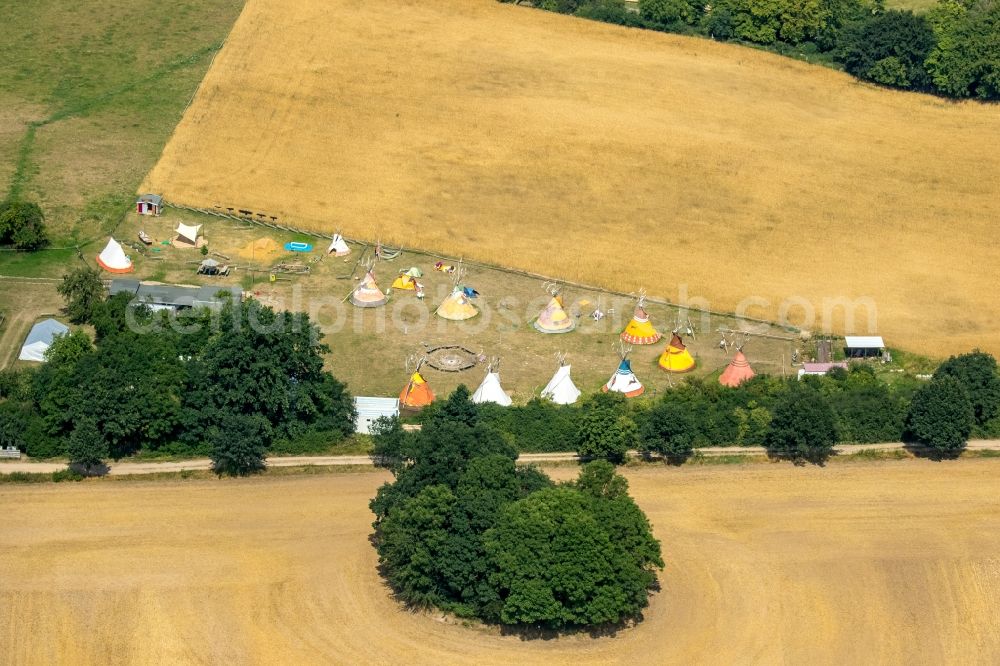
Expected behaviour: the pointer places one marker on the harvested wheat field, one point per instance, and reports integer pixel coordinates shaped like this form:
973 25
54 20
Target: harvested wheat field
856 563
616 157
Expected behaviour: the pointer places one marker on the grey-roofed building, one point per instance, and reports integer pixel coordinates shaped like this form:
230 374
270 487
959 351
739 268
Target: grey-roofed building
40 338
177 297
149 204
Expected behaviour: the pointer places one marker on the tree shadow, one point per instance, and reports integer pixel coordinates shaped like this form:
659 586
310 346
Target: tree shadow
799 459
98 470
930 453
665 458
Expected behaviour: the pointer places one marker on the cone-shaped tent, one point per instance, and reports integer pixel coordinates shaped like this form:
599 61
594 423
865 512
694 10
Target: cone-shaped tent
676 357
624 381
417 392
113 259
405 281
554 318
491 391
639 331
367 294
737 372
457 306
338 247
561 389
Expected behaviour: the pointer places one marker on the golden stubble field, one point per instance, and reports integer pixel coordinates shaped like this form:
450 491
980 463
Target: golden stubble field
857 563
618 157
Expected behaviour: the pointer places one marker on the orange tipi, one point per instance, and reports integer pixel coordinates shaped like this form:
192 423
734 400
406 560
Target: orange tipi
737 372
676 357
417 392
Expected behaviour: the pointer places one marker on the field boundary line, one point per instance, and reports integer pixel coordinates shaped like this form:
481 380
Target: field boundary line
468 262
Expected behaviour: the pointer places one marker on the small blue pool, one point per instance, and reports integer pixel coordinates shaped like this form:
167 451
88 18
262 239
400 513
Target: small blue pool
298 247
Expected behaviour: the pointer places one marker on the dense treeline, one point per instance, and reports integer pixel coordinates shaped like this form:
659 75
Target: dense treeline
230 384
464 529
850 407
953 50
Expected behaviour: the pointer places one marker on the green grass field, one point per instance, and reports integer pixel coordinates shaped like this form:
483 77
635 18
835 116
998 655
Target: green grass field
89 93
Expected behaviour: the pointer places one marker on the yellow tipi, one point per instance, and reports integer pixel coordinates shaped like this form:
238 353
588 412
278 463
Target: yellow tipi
554 318
639 331
457 306
676 357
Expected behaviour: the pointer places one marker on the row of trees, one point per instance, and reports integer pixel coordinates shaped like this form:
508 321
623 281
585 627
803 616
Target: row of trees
464 529
22 225
953 50
228 384
797 419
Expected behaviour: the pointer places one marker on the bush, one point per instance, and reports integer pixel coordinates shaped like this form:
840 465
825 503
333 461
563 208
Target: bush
537 427
240 444
22 225
86 446
567 558
669 429
941 417
83 292
965 61
889 48
604 429
665 12
803 427
977 373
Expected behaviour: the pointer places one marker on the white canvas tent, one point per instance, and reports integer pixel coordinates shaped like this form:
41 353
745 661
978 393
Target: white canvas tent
561 389
491 391
113 258
40 338
188 233
338 247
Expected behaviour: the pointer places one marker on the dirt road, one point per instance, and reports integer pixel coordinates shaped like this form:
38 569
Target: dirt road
131 468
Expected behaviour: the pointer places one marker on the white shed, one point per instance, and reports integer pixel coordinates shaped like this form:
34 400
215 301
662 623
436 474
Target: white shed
40 338
370 409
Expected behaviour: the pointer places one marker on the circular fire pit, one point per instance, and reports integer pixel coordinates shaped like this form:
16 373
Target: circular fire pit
451 358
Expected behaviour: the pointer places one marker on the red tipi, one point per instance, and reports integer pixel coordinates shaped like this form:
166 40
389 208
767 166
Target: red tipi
737 372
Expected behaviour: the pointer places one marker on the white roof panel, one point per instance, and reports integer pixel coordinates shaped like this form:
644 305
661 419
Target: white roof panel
864 341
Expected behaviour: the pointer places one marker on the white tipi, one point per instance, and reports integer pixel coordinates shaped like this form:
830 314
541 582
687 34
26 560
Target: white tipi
490 390
624 380
338 247
113 258
561 389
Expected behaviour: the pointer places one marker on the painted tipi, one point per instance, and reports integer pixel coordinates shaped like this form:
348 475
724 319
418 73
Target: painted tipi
737 372
458 305
113 258
561 389
624 380
639 331
676 357
490 390
417 393
338 247
367 294
554 318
